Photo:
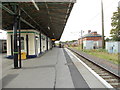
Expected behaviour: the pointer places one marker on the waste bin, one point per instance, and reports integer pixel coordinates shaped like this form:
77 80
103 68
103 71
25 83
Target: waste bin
23 55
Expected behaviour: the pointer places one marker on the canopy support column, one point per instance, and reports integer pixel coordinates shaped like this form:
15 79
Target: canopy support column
40 42
19 26
47 43
15 40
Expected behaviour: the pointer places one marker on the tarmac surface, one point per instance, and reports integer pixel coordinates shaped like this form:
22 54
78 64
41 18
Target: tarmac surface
5 64
57 68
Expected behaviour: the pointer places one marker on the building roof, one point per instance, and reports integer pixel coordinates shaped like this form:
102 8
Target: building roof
50 19
92 35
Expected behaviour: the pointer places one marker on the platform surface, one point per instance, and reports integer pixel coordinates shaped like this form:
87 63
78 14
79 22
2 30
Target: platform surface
57 68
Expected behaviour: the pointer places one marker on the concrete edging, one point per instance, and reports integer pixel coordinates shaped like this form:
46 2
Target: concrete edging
106 84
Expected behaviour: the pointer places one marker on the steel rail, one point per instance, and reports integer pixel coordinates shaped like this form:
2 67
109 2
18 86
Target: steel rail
107 75
96 64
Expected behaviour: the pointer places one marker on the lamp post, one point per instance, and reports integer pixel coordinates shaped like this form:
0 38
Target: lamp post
82 39
80 36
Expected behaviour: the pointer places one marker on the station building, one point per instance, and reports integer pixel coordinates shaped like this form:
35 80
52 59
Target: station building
3 46
92 40
30 43
113 46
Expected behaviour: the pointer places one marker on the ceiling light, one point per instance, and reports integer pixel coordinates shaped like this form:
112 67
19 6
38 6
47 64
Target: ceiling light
35 5
48 27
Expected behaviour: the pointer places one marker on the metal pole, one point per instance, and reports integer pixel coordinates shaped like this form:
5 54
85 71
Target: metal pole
47 42
81 40
27 45
11 45
119 17
19 40
103 40
118 36
40 42
15 40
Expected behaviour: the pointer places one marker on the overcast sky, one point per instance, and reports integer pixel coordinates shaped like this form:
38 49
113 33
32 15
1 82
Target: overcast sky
86 15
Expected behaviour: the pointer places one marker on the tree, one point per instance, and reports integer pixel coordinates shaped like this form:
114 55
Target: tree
115 31
108 39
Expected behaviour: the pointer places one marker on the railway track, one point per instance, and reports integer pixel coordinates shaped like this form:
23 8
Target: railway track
108 76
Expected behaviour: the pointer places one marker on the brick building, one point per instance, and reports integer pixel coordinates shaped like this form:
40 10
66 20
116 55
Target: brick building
92 40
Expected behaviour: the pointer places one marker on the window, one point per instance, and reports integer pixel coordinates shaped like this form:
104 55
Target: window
22 43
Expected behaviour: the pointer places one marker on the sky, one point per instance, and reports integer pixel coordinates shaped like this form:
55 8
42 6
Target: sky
86 15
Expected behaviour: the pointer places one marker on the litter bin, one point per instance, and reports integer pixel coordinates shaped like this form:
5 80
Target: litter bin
23 55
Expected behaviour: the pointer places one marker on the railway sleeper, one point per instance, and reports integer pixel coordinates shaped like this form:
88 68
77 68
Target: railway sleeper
104 74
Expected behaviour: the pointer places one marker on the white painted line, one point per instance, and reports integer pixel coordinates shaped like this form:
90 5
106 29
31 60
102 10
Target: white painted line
106 84
71 56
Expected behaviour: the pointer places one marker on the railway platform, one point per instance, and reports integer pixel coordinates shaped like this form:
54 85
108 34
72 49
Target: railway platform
58 68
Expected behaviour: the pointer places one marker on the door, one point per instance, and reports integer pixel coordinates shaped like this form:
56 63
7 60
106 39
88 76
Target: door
36 45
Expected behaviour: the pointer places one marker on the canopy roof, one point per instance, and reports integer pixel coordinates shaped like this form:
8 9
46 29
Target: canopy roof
48 17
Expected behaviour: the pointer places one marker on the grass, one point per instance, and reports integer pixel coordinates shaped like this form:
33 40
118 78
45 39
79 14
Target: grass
101 53
77 48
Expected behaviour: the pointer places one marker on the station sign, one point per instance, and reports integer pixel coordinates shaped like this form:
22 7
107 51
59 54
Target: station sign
53 39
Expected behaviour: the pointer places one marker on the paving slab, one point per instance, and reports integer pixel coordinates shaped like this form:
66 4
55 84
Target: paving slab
55 69
47 71
63 76
78 80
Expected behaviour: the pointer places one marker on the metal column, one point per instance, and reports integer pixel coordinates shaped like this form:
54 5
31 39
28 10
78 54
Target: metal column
19 27
27 45
47 43
11 45
15 40
40 42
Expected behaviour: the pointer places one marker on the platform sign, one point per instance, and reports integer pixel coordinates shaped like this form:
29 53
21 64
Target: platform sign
53 39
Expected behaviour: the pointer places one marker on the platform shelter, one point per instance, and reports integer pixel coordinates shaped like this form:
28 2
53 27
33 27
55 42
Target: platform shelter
33 26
